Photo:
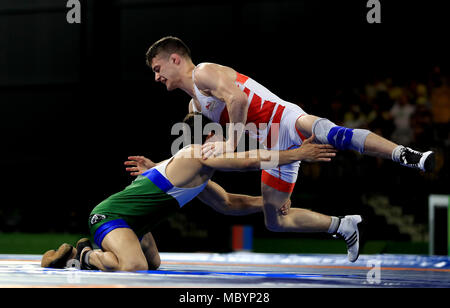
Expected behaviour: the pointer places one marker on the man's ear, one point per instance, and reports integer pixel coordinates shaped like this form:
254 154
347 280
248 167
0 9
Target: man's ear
175 58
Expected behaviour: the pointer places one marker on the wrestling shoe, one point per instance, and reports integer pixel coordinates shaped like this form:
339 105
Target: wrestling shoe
414 159
57 258
83 246
349 230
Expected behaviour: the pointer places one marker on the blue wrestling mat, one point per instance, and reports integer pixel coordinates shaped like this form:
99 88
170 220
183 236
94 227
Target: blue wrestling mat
242 270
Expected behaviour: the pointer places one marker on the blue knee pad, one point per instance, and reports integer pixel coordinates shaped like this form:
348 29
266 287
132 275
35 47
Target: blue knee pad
342 138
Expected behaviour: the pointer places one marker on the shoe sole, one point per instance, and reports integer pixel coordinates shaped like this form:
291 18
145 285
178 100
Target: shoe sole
59 258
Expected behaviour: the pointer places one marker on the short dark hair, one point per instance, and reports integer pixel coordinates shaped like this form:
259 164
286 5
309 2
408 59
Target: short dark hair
169 45
189 119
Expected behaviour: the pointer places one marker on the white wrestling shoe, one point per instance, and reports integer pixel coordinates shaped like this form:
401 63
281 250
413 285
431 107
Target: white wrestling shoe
349 231
414 159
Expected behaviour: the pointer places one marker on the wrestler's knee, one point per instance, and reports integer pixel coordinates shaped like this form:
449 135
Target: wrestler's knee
275 204
274 221
274 226
342 138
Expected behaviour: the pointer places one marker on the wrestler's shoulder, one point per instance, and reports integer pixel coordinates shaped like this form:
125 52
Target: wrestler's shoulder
206 67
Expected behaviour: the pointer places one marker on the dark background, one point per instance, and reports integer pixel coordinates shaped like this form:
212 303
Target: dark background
77 99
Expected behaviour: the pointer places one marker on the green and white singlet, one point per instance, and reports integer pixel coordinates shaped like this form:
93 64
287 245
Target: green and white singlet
147 201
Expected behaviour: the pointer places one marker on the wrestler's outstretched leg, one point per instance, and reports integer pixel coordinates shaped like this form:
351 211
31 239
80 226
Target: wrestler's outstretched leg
365 142
302 220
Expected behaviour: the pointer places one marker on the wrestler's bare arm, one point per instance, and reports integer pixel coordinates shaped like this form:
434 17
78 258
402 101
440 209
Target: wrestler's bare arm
216 80
229 204
213 195
265 159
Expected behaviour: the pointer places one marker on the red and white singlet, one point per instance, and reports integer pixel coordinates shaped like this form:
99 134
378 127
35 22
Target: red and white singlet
270 120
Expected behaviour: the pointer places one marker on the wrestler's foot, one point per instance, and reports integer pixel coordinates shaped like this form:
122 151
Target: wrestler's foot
83 246
349 230
57 258
410 158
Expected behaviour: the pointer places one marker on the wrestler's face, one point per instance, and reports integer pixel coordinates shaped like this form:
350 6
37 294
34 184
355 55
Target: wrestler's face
166 69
